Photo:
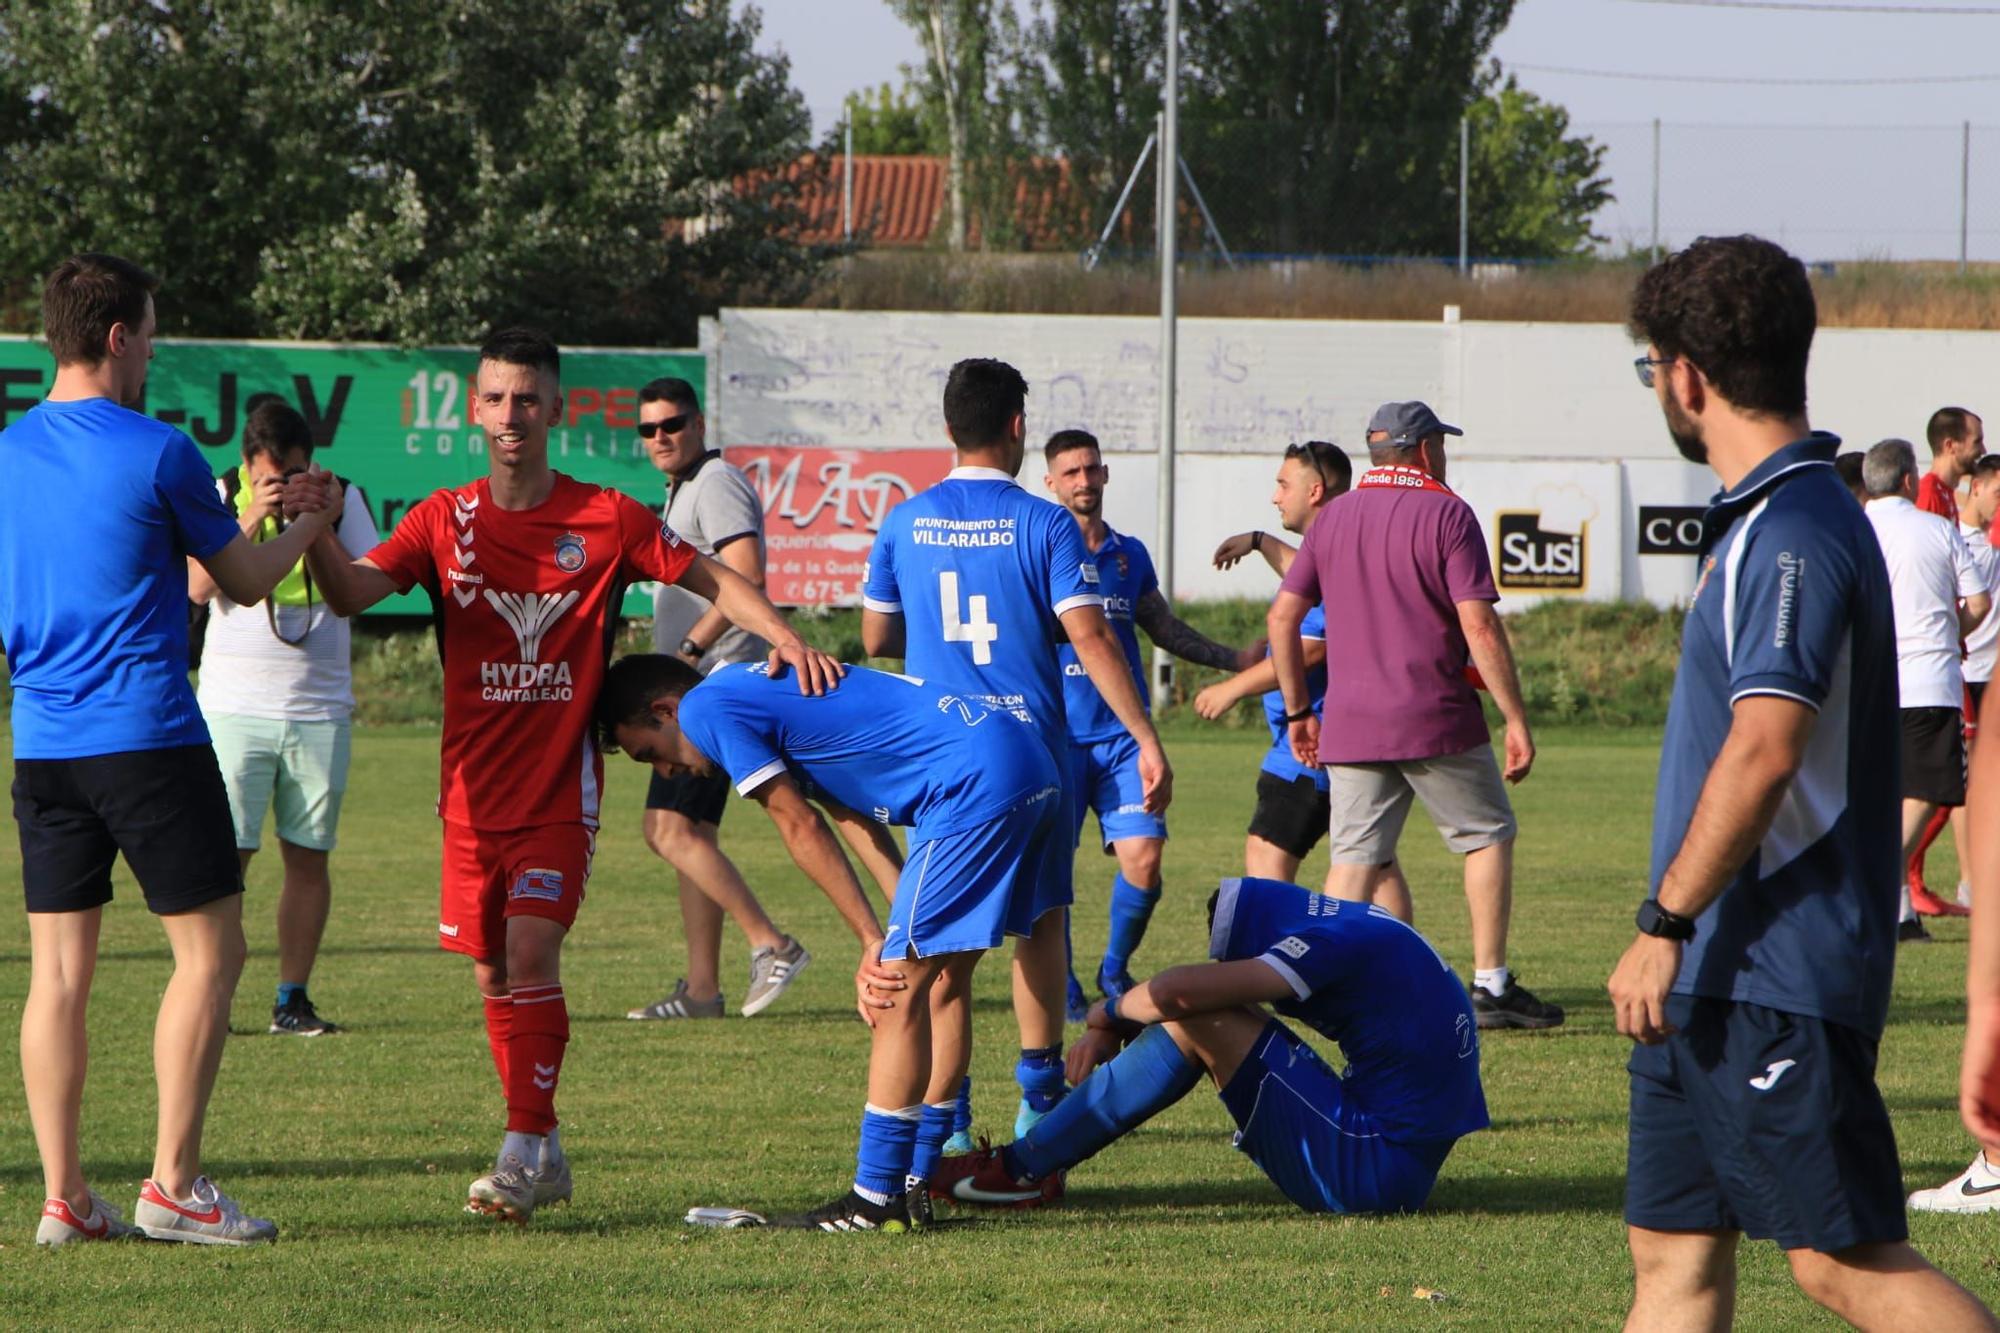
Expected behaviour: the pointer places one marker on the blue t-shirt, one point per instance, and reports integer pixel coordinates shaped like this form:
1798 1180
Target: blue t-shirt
981 571
100 507
1124 575
1365 980
885 745
1793 601
1278 760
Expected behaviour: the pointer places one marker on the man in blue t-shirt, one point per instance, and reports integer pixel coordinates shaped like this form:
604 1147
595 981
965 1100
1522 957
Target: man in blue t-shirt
973 584
1103 758
101 510
1292 813
982 799
1368 1140
1759 981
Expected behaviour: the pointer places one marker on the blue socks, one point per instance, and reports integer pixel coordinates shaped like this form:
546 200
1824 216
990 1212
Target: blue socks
286 990
1131 908
1040 1074
888 1144
933 1128
961 1118
1147 1077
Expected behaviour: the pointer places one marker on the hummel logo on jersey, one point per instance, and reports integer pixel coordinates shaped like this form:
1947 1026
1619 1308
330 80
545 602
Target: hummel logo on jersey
545 1076
1769 1078
1292 947
530 614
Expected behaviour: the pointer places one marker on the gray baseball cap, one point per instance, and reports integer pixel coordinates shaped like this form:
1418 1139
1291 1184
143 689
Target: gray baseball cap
1406 423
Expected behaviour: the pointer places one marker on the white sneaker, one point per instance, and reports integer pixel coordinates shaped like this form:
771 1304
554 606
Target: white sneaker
1974 1190
552 1183
60 1224
771 971
507 1191
209 1217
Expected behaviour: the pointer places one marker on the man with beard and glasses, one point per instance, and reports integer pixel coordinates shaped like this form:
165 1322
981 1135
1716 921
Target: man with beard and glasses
1400 565
1759 980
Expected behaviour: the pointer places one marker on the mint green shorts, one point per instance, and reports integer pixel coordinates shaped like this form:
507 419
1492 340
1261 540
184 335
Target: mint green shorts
297 770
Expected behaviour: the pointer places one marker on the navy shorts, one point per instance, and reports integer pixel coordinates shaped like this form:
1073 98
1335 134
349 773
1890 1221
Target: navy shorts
965 891
166 810
1104 776
1756 1120
1294 1121
701 797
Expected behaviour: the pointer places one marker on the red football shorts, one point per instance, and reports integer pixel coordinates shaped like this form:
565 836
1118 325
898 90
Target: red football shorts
489 877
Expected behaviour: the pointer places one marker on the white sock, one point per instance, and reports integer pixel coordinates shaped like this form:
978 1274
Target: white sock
1985 1167
526 1147
875 1197
1905 912
552 1148
1492 980
1964 894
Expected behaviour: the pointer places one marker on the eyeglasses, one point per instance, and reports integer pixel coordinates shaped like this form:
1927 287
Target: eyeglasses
669 425
1643 367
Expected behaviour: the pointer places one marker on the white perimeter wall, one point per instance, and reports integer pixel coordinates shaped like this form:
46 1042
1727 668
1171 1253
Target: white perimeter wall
1556 424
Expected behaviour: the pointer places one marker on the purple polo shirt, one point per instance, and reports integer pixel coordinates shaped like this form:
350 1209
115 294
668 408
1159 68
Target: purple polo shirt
1391 564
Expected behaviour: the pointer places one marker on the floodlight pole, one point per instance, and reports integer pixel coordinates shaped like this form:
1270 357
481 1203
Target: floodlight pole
847 183
1964 193
1464 205
1163 551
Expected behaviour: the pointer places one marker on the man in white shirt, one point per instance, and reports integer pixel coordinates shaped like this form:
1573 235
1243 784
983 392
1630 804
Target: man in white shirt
1982 645
277 691
1939 596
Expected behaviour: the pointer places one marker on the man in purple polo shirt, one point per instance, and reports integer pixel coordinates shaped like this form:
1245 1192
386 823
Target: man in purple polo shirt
1401 562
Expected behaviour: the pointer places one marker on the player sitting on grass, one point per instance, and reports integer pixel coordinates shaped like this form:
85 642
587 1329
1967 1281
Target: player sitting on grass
1370 1140
983 802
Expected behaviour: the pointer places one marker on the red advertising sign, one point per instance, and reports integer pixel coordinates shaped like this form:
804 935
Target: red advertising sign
822 509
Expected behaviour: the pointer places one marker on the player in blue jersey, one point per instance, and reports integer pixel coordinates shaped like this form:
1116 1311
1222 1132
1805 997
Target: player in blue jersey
1292 814
1368 1140
983 801
1103 758
973 584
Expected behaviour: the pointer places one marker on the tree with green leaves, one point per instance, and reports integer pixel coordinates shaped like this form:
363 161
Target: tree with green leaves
1532 186
894 123
606 168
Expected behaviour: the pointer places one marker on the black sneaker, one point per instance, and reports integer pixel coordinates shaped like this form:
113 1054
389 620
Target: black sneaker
851 1212
1913 931
917 1202
297 1018
1515 1007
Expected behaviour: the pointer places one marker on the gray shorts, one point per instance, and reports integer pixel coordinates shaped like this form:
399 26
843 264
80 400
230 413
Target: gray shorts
1369 802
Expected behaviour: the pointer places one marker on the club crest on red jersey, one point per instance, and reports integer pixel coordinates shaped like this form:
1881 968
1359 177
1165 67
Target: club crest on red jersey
569 553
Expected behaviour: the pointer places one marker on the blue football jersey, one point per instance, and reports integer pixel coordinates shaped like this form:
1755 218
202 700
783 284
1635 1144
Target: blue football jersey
1124 575
1278 759
980 571
888 746
1370 983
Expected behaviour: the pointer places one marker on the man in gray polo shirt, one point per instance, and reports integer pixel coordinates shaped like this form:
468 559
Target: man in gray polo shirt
1401 565
713 505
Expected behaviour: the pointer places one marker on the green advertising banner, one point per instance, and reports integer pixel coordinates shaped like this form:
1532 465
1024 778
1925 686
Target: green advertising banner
396 420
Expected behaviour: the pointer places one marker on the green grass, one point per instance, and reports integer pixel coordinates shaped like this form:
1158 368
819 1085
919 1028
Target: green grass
360 1145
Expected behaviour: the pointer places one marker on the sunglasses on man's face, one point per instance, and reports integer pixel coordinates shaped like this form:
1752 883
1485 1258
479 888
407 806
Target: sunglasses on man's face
670 425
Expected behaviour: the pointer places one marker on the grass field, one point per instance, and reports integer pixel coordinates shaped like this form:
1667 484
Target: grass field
360 1145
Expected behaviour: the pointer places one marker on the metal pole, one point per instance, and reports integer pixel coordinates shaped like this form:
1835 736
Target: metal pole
1170 153
1464 211
1656 190
1091 256
1964 193
847 183
1208 218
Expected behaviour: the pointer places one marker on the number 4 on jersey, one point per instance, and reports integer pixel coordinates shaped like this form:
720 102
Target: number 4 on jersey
975 629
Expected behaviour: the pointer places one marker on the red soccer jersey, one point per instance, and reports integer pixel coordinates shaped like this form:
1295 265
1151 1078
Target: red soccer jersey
529 600
1934 497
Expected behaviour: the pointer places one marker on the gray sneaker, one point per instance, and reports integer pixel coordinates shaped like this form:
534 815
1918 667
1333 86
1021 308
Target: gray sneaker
553 1183
507 1191
771 970
676 1004
60 1224
209 1217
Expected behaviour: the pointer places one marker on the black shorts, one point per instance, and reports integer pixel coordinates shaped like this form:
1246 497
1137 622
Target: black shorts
700 797
1756 1120
1934 755
166 810
1975 690
1291 816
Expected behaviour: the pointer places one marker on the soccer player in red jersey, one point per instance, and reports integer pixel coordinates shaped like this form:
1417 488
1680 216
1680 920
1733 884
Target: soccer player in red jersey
526 570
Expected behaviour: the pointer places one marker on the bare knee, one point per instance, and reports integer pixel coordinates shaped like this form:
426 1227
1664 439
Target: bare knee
673 837
1139 861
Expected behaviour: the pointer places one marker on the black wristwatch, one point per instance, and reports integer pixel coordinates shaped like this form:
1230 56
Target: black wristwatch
1655 920
1257 541
1299 716
689 648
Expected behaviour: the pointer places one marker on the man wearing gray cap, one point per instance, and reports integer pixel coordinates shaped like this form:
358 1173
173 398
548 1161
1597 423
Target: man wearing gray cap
1401 561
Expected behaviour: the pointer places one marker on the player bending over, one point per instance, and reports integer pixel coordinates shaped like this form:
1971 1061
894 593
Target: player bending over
983 800
1371 1140
526 570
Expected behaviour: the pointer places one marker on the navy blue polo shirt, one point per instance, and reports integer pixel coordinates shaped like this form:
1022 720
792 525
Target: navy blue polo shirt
1793 600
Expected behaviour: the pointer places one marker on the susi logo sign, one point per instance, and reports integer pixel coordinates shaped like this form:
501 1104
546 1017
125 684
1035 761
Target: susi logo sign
1534 560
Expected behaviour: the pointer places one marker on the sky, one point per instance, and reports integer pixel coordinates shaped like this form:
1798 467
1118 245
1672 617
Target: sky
1758 130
